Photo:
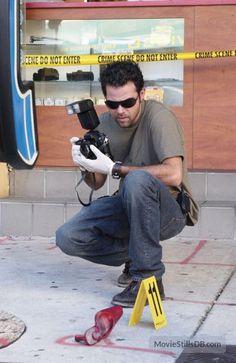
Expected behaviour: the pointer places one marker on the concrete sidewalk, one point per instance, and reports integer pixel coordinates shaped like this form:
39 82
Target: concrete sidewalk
57 297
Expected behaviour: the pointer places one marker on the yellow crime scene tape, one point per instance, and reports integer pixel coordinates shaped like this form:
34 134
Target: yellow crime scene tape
57 60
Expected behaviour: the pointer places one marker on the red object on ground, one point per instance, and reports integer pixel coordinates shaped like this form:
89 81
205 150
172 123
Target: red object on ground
105 320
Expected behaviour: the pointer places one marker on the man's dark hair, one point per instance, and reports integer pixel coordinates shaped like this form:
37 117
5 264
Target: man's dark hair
118 74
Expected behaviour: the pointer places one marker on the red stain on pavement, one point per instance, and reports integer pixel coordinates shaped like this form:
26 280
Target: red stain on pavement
52 248
199 302
4 240
4 342
202 263
106 343
200 245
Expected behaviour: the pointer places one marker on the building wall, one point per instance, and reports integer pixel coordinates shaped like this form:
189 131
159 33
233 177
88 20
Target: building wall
209 106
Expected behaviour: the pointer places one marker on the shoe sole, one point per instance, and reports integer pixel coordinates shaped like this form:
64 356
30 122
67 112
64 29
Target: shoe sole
123 285
130 305
124 305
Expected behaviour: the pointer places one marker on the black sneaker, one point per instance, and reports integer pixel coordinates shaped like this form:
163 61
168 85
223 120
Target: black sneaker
125 278
128 296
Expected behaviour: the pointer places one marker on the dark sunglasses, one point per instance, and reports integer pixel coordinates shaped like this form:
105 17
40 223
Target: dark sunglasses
129 102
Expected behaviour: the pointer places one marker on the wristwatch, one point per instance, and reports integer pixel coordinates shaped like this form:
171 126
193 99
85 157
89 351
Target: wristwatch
116 170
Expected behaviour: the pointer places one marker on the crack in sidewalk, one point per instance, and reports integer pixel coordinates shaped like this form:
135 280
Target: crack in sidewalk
208 311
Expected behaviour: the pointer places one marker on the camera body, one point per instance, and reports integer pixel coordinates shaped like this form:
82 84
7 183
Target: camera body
97 139
89 120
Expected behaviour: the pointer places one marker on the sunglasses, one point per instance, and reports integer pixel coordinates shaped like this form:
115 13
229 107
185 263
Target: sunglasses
128 103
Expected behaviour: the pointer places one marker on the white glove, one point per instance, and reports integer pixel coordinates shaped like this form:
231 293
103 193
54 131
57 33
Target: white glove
103 164
75 152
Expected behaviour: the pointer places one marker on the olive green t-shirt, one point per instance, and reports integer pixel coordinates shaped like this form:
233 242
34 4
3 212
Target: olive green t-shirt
156 136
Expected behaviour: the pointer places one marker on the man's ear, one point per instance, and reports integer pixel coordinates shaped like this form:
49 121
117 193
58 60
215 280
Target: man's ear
141 94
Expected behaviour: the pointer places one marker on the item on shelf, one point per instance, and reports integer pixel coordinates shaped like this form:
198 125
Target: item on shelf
154 93
46 74
60 102
38 101
100 101
80 76
45 40
48 101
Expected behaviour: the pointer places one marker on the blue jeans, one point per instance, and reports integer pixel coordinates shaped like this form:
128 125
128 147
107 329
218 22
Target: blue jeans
126 226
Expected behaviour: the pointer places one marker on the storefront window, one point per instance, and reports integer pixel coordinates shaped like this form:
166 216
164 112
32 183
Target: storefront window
104 38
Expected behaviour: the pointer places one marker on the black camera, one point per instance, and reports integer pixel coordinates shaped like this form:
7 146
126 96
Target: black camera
89 120
80 76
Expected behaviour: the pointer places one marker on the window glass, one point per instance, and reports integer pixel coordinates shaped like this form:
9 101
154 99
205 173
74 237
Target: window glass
163 79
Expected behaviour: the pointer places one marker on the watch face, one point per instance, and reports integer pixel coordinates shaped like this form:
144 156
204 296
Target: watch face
115 176
116 170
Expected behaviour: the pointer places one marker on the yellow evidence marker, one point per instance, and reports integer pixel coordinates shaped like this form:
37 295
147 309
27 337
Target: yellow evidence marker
149 290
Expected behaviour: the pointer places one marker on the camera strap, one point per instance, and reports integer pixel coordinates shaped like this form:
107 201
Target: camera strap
91 192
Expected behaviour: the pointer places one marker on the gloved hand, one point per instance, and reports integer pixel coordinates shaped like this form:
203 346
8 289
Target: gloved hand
75 152
103 164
